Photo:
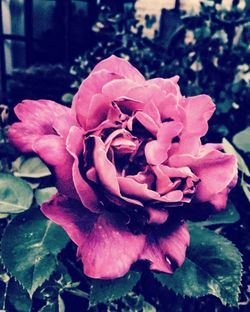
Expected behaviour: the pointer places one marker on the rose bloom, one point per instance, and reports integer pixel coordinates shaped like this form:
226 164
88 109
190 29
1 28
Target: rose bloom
130 167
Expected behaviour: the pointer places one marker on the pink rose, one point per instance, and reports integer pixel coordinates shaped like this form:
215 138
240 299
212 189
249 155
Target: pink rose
129 166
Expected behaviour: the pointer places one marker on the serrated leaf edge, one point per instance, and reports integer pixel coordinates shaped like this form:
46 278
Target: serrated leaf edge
13 276
111 298
206 294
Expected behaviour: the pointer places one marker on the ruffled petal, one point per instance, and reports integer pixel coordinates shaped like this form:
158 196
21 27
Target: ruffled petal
105 170
118 88
40 112
121 67
128 105
147 122
106 249
156 151
132 188
157 216
98 110
166 249
91 86
168 85
168 107
87 195
215 170
197 111
129 187
37 119
51 148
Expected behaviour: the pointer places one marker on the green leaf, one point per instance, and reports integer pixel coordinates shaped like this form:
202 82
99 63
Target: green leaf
67 97
246 188
147 307
43 195
102 291
18 297
61 305
242 140
30 245
15 194
228 147
50 307
54 305
213 266
31 167
227 216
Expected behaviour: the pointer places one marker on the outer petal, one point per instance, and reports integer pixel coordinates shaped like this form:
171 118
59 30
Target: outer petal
166 250
121 67
85 192
98 110
104 168
42 112
216 171
118 87
106 249
37 119
91 86
168 85
197 111
156 151
51 148
133 189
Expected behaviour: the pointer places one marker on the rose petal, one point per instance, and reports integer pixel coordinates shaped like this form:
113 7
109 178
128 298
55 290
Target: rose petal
118 88
37 118
91 86
98 110
131 188
104 168
51 148
107 174
106 249
168 107
169 85
157 216
121 67
198 110
215 169
40 112
166 249
156 151
152 111
128 105
87 195
147 122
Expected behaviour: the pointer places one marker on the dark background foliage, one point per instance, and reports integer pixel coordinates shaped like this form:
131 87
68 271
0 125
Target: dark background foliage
209 51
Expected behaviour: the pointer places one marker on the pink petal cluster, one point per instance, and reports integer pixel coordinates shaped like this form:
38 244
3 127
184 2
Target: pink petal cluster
129 166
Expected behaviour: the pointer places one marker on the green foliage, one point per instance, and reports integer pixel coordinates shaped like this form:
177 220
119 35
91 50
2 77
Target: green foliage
15 194
227 216
242 140
31 167
43 195
17 297
228 148
213 266
242 166
102 291
30 245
